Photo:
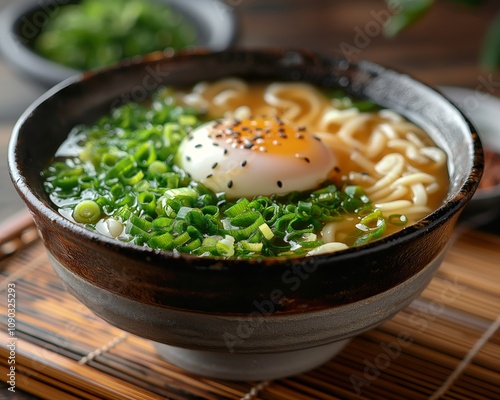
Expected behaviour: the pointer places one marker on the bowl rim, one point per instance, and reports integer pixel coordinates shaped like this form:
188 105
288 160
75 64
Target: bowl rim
16 49
435 219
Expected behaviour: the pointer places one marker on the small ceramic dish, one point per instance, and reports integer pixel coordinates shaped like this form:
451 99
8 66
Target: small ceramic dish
483 110
21 22
244 319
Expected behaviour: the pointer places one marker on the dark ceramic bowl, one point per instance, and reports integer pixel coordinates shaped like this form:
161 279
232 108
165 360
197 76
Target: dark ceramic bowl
243 319
22 22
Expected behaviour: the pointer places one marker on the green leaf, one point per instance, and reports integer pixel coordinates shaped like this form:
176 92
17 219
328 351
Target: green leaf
411 11
490 53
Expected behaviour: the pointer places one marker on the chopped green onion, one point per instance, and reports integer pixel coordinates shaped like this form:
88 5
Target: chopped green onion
225 247
182 239
146 154
311 244
164 242
398 219
147 201
161 223
141 223
370 228
191 246
132 177
66 182
245 219
157 167
120 167
238 208
266 231
253 247
240 234
117 190
87 212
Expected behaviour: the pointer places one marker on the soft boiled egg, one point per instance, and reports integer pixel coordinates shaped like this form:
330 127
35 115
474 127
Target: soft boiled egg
255 156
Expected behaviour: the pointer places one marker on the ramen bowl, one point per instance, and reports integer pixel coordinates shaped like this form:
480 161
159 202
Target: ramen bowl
231 318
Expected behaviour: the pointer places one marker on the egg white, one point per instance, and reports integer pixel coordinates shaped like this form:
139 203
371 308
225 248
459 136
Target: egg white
241 172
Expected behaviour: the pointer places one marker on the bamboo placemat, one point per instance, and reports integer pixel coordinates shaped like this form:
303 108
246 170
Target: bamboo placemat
445 345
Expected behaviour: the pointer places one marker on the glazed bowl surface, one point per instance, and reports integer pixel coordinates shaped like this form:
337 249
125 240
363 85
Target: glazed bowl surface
22 22
256 308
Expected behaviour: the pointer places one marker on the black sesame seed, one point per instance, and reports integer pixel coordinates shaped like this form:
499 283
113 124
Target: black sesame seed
280 184
188 158
283 136
306 159
215 144
245 128
214 165
225 152
317 138
301 128
243 163
248 144
218 136
336 169
190 137
209 176
299 136
198 145
230 184
188 174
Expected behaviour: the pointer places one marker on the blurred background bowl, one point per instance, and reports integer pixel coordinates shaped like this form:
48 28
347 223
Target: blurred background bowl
483 110
22 22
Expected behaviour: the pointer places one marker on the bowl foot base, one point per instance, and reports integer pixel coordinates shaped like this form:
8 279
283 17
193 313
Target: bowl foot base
249 367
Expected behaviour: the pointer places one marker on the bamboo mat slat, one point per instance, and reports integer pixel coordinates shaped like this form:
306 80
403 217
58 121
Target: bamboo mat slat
445 345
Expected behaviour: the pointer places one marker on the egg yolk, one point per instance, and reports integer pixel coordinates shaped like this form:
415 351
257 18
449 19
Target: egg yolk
255 156
262 134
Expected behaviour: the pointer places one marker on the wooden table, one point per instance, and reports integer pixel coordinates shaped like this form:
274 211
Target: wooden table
445 345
